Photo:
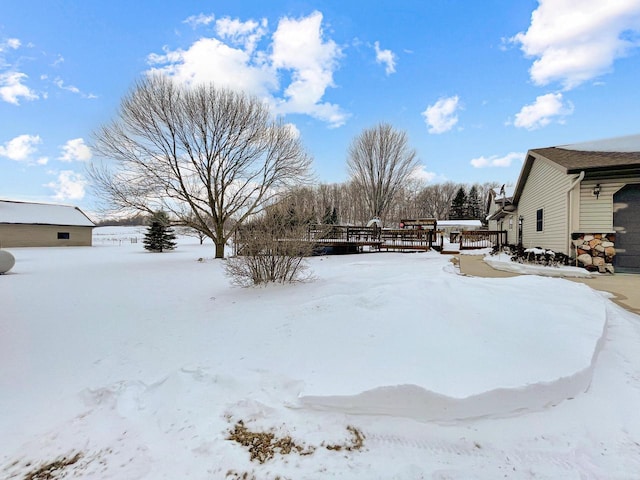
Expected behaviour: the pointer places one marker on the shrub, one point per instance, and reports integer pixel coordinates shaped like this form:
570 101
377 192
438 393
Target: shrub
269 252
539 256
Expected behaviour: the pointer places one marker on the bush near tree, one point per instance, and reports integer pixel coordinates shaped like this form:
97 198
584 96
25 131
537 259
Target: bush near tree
271 249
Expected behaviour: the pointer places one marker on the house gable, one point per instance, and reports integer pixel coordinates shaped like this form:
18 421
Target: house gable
542 202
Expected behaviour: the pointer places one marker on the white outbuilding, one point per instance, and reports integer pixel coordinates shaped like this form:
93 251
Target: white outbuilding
26 224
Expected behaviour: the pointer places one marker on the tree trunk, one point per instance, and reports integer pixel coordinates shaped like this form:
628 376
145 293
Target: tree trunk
219 249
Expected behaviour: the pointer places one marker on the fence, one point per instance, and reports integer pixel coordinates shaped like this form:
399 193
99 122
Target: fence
470 239
342 234
407 239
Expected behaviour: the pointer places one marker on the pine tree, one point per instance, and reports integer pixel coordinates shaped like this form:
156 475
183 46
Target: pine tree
334 216
458 205
330 216
160 236
474 204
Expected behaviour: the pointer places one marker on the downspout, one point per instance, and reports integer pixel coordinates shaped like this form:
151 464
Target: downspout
578 179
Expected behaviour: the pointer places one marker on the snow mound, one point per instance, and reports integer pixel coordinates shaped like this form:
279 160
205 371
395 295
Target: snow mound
504 263
458 355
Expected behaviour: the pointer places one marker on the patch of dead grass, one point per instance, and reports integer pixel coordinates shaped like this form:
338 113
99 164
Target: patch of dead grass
263 446
54 469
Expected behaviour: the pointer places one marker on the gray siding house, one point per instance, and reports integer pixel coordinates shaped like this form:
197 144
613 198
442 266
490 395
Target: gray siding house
25 224
502 214
583 200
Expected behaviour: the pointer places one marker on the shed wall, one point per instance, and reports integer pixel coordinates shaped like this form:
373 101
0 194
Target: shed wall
16 235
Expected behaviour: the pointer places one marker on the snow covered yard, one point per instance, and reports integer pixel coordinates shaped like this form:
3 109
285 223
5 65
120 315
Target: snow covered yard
118 363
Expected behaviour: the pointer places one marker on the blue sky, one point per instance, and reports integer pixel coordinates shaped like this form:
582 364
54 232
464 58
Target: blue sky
474 84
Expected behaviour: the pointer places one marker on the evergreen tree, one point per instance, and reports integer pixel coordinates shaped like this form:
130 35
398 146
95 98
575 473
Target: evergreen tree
330 216
160 236
474 204
458 206
334 216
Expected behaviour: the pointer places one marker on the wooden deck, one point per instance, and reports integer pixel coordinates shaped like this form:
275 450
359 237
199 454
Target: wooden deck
354 238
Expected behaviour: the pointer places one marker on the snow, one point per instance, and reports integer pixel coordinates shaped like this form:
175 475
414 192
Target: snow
503 262
460 223
144 362
509 190
629 143
42 214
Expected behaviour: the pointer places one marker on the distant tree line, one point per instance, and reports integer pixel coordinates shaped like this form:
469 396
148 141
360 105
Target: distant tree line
344 203
127 221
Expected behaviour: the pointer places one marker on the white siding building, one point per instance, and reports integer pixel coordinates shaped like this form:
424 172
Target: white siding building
24 224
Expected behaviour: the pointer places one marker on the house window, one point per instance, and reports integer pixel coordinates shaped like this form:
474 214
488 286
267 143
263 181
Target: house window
539 220
510 223
63 235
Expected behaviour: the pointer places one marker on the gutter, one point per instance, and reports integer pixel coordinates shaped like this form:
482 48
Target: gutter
578 179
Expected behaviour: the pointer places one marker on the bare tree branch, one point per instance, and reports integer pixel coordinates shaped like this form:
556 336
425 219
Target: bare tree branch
380 162
210 156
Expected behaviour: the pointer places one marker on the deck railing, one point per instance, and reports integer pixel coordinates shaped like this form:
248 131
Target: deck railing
348 239
342 233
470 239
407 239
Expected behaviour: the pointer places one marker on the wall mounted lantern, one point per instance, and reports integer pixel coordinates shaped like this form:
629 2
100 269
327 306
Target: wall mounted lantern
596 190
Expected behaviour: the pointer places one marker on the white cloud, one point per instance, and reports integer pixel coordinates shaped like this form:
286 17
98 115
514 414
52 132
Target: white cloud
210 60
386 57
543 111
441 116
12 88
20 148
420 173
247 34
74 150
201 19
73 89
60 84
299 46
295 131
68 186
12 43
496 161
233 60
576 40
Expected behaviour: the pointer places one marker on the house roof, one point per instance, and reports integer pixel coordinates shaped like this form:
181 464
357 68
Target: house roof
613 156
574 161
12 212
496 196
508 191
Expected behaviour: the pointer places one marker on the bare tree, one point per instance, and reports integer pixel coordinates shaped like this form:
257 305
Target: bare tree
380 162
210 156
436 199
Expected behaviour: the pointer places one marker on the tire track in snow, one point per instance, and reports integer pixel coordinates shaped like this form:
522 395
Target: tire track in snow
576 462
